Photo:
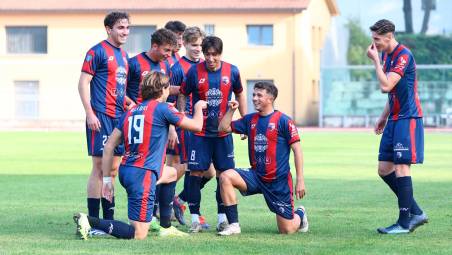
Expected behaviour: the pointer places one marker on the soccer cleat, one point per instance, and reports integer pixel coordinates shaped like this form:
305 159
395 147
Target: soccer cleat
222 226
155 225
83 226
417 221
395 229
96 232
179 210
204 224
171 231
195 227
304 221
231 229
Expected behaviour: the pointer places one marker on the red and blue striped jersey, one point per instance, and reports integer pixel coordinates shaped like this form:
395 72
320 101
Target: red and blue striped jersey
139 66
173 59
404 99
109 67
269 140
144 130
214 87
178 76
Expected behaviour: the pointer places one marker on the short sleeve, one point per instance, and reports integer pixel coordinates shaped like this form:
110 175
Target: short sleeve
91 62
400 64
172 115
236 81
289 130
190 83
240 126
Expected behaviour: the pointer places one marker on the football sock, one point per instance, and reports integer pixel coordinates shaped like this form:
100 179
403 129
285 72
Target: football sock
405 199
220 205
108 208
194 194
204 181
182 196
301 214
93 207
232 213
165 203
391 181
113 227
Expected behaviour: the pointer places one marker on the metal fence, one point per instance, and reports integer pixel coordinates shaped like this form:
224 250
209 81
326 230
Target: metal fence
350 96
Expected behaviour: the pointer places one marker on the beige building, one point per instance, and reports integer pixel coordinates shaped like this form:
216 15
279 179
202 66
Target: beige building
43 43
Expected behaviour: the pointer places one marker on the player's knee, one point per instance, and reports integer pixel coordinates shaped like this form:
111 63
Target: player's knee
140 234
226 178
285 230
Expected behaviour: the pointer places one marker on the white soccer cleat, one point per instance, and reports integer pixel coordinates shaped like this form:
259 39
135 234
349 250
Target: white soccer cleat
231 229
83 226
304 222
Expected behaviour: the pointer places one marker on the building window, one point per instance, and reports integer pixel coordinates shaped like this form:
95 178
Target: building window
249 94
27 99
139 39
209 29
260 34
23 40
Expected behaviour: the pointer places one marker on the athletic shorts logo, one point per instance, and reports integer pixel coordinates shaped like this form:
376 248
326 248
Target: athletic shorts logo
260 143
121 75
400 147
214 97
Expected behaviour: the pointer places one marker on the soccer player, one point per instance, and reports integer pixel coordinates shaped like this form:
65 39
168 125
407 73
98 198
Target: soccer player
402 143
271 136
163 41
212 80
144 131
102 87
192 38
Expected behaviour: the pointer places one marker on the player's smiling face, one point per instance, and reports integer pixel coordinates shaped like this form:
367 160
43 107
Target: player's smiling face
262 100
193 49
118 34
382 42
213 59
162 52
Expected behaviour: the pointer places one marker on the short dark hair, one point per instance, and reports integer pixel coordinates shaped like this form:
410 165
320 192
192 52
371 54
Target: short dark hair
153 85
175 26
111 18
382 27
268 86
164 36
212 42
191 34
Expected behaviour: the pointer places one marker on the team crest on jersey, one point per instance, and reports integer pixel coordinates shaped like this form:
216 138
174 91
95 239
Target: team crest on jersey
225 80
88 58
253 126
202 80
271 126
144 73
111 58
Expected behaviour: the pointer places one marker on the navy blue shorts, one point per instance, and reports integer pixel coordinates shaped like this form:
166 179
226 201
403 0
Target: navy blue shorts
96 140
206 150
140 187
278 194
403 142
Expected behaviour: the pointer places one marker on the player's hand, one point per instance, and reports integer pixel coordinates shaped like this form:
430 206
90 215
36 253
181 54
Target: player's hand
300 190
201 104
243 137
108 191
173 140
93 122
233 105
372 52
131 105
380 126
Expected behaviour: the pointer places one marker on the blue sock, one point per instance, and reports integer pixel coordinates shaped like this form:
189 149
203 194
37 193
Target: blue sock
194 194
93 207
391 181
113 227
220 205
182 194
405 198
156 202
231 213
108 209
301 214
166 203
204 181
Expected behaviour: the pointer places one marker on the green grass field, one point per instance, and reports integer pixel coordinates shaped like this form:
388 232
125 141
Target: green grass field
43 178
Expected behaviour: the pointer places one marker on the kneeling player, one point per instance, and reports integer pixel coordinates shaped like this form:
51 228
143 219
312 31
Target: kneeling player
144 130
271 135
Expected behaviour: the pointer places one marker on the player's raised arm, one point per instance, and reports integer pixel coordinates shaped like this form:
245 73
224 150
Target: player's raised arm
387 82
225 123
195 124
